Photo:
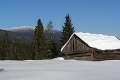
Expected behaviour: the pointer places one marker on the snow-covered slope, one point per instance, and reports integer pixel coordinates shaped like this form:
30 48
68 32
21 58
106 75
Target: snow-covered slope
59 70
21 28
26 33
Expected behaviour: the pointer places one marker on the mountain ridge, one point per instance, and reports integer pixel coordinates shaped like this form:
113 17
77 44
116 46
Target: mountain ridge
26 33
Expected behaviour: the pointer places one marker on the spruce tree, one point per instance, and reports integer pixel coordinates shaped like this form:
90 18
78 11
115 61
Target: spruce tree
39 41
1 50
50 31
50 39
67 30
52 45
5 47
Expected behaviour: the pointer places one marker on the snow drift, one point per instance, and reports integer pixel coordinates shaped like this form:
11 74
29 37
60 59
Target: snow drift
59 70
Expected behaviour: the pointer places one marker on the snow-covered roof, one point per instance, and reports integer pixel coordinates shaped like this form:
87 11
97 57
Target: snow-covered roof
99 41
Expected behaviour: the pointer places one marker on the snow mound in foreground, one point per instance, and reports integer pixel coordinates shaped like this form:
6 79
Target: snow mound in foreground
59 58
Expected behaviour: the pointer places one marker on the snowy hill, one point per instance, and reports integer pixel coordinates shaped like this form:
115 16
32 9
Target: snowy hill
59 70
21 28
25 33
15 36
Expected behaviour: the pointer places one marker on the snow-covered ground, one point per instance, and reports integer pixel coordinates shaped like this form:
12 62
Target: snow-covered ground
59 69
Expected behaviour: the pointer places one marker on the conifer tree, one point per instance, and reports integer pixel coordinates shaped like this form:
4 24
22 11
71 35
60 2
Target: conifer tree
50 31
14 50
52 45
1 50
54 50
39 41
5 47
49 40
67 30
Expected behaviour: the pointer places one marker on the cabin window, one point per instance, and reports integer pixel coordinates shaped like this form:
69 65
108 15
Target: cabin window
74 43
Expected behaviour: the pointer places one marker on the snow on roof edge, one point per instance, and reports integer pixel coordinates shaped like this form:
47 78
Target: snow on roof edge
102 42
67 42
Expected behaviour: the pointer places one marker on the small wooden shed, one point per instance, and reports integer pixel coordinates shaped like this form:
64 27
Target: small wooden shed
86 46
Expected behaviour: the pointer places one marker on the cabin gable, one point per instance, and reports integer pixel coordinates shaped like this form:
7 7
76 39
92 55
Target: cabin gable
75 45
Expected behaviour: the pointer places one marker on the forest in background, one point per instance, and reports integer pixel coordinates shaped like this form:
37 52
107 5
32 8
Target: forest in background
40 48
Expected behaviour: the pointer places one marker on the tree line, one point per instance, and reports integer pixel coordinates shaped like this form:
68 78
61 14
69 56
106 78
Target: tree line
14 50
42 47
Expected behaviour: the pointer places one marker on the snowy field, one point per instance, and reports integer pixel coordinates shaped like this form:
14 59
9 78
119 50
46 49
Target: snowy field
59 70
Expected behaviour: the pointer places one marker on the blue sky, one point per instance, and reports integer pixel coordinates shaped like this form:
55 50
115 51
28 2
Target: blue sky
93 16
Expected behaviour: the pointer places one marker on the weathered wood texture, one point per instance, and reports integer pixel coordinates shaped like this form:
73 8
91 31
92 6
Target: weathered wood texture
106 55
78 49
75 45
80 56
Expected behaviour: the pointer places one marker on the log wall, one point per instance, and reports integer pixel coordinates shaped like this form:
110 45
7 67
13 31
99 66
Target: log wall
106 56
78 49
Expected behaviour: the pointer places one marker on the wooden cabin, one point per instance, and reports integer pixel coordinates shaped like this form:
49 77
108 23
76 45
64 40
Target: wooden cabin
94 47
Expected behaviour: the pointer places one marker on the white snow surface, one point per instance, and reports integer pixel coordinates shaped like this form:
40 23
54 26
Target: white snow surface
99 41
19 28
59 58
59 70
